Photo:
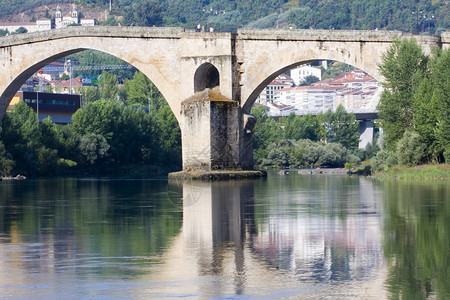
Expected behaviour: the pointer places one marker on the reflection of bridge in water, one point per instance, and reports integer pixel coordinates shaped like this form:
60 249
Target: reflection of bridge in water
232 245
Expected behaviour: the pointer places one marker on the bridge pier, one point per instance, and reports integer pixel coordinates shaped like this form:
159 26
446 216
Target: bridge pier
212 133
366 131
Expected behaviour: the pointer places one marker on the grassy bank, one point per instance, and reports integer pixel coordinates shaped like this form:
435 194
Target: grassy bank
421 172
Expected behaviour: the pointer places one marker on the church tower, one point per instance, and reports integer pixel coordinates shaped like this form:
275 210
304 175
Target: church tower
58 17
74 14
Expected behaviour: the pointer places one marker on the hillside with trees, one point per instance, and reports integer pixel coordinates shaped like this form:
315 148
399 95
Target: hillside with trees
427 16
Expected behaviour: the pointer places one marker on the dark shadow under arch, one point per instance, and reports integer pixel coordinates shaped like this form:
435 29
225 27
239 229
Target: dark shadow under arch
206 76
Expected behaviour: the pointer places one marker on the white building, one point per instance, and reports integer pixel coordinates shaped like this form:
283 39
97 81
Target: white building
13 26
279 110
355 90
300 73
44 24
268 94
87 22
308 99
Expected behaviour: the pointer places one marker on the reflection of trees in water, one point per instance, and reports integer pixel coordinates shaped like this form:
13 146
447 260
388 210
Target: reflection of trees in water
417 240
70 223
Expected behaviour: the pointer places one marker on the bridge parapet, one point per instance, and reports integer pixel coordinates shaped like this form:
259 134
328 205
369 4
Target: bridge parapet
445 39
108 31
331 35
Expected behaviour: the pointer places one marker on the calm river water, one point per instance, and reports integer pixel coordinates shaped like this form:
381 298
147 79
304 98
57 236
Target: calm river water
291 237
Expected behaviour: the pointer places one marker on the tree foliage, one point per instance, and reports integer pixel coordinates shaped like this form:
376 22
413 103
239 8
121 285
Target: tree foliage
402 67
341 127
20 136
415 107
104 135
298 141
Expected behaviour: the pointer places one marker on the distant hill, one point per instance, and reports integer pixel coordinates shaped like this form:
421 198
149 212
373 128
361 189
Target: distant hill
427 16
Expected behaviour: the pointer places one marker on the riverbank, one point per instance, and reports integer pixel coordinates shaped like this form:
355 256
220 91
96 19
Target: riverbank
421 172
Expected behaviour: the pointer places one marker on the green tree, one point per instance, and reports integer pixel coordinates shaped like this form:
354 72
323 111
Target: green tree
6 164
64 76
108 86
310 79
88 93
266 132
145 13
403 65
303 127
334 69
111 21
49 134
168 131
20 136
341 127
140 90
425 118
126 130
21 30
410 149
93 146
440 78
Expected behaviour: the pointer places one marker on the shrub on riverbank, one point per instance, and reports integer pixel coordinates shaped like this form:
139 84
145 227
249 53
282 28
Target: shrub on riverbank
307 154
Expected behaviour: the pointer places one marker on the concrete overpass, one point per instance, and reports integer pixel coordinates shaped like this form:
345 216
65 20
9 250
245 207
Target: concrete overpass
210 80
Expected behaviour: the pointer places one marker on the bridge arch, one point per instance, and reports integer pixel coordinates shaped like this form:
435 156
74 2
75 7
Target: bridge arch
281 63
266 53
27 59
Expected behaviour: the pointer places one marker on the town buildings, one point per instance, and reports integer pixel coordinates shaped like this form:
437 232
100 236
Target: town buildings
60 107
268 94
355 90
59 21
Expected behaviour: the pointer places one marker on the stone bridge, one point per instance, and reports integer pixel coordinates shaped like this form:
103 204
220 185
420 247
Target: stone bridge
210 80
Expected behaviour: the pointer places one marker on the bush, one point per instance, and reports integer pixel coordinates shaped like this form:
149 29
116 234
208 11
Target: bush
410 150
383 160
447 156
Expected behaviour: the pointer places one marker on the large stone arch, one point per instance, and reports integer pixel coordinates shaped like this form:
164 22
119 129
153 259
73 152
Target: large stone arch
266 56
140 53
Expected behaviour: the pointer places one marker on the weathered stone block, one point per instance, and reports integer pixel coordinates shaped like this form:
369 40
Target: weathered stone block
210 132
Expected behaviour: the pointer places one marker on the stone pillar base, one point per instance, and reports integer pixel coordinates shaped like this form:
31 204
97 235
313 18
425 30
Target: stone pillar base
210 128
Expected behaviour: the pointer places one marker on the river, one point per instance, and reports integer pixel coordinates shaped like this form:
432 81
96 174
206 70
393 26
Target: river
292 237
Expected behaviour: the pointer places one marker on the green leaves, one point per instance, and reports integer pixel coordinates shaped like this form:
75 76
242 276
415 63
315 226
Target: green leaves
93 146
403 65
108 86
294 141
341 127
416 98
